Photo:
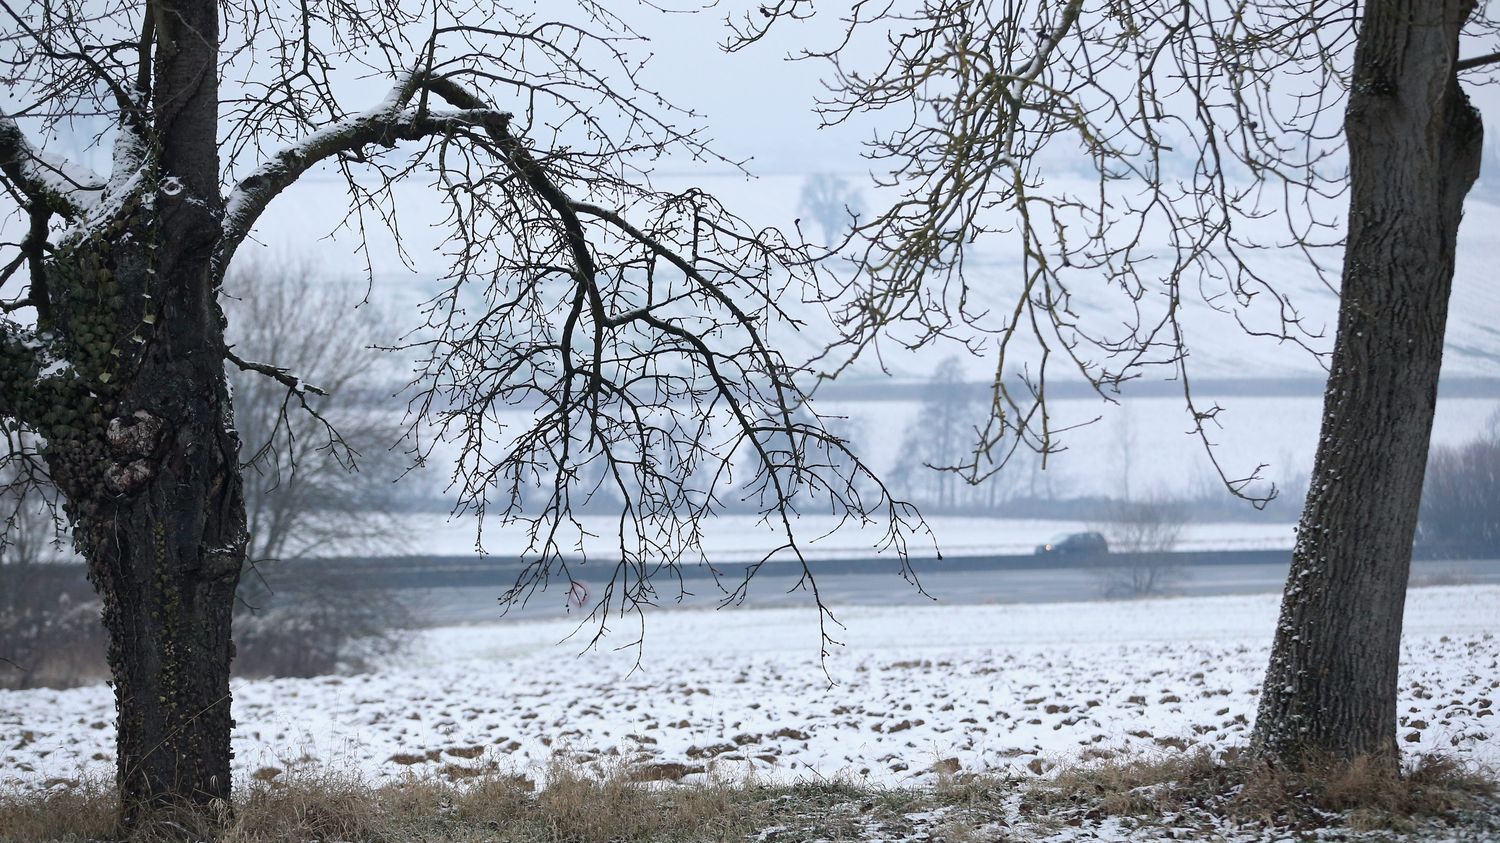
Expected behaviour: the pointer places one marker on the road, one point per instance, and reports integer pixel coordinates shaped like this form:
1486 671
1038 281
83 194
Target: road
884 586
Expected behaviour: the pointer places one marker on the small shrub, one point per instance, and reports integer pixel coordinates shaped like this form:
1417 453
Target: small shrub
50 632
50 643
293 621
1143 535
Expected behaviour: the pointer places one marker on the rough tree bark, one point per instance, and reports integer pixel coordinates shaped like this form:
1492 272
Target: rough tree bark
1414 148
140 435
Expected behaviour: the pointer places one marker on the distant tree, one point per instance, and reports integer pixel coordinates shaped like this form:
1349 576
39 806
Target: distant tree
1142 534
1125 444
618 321
306 497
1028 475
1078 131
937 440
832 204
1461 496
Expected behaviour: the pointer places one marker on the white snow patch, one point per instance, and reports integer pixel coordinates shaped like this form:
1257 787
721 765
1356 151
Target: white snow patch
993 686
76 183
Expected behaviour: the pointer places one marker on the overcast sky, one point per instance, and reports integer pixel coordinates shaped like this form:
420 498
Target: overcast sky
756 106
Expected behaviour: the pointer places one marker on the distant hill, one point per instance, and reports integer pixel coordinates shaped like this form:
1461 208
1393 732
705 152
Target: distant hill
1220 349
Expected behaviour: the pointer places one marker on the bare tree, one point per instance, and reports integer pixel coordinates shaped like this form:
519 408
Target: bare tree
305 496
1461 495
831 203
1125 445
624 323
1206 133
1143 534
936 440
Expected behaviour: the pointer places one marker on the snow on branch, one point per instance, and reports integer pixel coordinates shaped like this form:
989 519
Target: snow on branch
391 121
280 374
297 390
48 181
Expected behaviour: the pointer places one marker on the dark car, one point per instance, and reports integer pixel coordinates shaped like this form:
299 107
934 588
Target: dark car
1081 544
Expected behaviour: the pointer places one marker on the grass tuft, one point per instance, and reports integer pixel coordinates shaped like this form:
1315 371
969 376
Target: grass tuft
617 805
1365 794
83 811
310 805
1372 793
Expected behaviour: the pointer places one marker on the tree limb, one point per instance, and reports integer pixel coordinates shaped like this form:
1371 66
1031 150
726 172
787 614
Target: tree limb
1476 61
279 374
385 124
48 181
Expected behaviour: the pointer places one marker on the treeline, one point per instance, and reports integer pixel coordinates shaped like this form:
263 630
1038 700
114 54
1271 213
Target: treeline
1461 497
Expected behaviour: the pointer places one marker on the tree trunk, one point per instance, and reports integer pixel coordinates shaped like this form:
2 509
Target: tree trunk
1414 146
166 559
151 477
141 439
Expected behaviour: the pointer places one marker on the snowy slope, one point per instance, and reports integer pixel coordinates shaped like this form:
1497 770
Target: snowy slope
1219 348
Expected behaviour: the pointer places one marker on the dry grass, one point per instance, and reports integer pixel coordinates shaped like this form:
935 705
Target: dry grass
1365 791
1137 787
587 806
85 811
316 805
579 805
1364 794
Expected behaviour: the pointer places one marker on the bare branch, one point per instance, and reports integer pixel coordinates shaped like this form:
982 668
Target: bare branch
383 125
755 26
1178 153
600 342
48 181
276 373
1477 61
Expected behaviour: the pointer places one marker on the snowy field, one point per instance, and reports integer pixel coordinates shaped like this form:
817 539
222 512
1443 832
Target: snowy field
992 687
745 538
1141 447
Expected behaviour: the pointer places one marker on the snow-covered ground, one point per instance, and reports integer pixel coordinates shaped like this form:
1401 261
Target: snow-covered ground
996 687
